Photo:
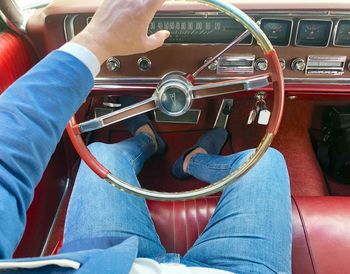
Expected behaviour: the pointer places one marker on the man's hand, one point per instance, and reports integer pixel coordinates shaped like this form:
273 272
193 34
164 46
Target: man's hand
119 27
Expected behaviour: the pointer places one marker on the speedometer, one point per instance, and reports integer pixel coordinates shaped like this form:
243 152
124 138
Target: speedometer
342 37
205 29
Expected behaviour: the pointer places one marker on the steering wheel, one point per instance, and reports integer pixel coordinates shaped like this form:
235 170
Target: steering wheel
182 85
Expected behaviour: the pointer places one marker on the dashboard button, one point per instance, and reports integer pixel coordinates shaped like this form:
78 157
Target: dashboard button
144 63
298 64
212 66
113 64
261 64
283 63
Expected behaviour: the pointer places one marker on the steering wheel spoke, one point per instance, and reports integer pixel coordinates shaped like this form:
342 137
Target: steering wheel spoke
117 116
231 86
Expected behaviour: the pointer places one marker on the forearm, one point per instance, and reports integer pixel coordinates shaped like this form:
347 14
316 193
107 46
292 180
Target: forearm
33 114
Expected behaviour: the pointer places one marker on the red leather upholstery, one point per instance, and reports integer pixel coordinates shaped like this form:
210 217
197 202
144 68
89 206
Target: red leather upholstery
15 59
321 225
180 223
326 225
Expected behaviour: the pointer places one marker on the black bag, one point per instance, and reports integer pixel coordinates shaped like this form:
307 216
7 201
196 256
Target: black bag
334 150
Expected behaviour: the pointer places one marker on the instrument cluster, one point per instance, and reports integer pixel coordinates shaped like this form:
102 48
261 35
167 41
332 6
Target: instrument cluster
217 28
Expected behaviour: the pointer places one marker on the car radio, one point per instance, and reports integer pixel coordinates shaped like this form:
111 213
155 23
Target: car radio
232 63
325 64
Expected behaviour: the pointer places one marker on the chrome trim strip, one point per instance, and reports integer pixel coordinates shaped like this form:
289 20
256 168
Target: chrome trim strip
53 224
329 35
101 121
13 16
132 82
335 33
325 58
68 26
248 84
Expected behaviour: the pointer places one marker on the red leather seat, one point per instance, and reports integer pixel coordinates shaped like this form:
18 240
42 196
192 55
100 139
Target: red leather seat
321 226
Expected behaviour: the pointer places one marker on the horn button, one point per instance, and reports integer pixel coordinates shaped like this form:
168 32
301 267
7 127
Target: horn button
174 95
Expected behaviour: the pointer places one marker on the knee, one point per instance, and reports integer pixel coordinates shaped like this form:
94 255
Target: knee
274 156
108 154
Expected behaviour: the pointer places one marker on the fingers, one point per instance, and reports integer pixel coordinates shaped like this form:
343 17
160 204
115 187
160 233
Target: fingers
157 39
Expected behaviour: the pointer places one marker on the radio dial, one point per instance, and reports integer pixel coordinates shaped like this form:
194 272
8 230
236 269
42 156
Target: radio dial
261 64
298 64
113 64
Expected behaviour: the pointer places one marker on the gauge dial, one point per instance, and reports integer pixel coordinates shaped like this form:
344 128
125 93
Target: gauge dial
277 30
343 34
314 33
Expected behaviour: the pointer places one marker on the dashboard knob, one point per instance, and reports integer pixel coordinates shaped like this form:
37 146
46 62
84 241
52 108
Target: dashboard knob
261 64
283 63
213 65
113 64
298 64
144 63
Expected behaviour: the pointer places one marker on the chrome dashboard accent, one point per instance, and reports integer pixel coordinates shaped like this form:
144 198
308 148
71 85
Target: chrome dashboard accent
151 82
317 68
13 16
118 115
68 26
217 56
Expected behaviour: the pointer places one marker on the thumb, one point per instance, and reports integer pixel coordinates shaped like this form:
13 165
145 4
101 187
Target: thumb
157 39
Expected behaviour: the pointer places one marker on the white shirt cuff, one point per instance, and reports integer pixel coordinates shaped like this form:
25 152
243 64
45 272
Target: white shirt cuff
84 55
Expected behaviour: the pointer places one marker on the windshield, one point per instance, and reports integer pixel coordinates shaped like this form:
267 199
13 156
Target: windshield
28 4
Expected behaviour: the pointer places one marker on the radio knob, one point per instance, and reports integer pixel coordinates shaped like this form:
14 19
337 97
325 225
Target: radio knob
113 64
144 63
213 65
261 64
298 64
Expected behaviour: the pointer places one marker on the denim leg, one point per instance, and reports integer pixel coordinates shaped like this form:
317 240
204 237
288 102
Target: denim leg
102 215
250 230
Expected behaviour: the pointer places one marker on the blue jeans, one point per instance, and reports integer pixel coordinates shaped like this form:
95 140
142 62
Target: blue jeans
249 232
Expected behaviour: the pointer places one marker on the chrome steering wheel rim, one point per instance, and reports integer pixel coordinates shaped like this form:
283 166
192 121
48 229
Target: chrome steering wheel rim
278 83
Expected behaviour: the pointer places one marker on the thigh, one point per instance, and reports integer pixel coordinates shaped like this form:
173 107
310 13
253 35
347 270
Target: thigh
250 230
103 215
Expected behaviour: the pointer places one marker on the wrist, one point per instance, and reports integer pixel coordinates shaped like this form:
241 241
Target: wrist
94 46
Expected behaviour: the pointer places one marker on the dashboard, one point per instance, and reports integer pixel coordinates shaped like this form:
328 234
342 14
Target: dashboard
313 44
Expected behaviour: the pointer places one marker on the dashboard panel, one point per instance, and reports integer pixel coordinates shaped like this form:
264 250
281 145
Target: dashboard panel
198 33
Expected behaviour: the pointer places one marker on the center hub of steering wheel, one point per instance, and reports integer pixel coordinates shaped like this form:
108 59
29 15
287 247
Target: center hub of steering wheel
174 95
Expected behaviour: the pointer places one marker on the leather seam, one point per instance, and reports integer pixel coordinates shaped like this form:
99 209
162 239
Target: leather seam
306 235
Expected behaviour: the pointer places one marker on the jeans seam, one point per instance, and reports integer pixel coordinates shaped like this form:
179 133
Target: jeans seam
143 145
213 167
